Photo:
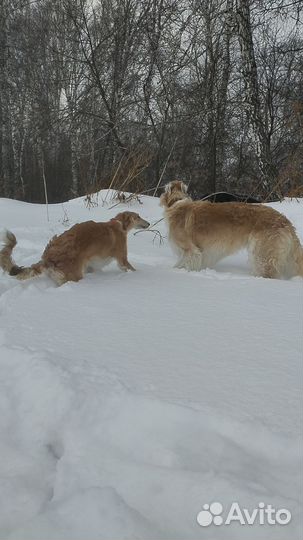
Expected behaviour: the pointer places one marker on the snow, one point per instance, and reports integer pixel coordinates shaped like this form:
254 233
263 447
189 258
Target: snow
128 400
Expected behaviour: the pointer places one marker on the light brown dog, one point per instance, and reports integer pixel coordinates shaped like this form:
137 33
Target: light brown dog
204 233
68 256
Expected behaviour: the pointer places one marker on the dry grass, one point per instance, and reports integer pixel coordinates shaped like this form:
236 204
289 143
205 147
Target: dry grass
289 182
126 177
91 200
296 192
121 198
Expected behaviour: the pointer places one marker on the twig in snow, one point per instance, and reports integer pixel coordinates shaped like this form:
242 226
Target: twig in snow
157 233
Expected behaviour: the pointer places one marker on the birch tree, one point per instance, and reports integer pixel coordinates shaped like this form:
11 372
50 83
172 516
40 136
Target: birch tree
252 95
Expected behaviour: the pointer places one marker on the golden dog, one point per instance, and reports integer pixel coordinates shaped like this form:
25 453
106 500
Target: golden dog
205 232
68 256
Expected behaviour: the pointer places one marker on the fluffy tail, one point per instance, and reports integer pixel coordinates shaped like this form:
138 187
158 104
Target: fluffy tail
7 264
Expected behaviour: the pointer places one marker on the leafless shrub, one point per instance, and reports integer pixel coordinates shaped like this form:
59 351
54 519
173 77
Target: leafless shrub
289 182
65 220
296 193
121 198
125 182
91 200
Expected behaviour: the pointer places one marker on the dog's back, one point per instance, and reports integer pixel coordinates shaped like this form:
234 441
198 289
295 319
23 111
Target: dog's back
230 216
83 241
71 252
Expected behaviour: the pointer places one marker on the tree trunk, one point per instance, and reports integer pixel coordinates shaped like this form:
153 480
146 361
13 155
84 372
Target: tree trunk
222 92
252 96
5 105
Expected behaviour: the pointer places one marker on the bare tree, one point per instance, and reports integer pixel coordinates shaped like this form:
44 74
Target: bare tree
252 95
211 91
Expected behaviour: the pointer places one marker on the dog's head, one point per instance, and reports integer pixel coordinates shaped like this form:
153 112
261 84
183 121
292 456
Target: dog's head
174 191
131 220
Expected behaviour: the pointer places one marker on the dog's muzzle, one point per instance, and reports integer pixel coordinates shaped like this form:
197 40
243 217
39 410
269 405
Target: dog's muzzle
143 224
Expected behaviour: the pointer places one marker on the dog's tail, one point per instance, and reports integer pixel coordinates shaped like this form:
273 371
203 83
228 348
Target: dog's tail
6 261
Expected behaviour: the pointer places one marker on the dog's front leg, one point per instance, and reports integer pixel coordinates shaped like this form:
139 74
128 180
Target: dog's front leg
180 262
192 260
182 258
121 258
125 265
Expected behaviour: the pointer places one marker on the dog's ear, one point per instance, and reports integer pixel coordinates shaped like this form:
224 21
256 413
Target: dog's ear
184 187
124 219
175 185
127 219
163 199
168 188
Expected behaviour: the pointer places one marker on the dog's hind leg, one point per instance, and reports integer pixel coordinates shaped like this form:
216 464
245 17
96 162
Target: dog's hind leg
270 255
56 275
61 273
294 265
266 269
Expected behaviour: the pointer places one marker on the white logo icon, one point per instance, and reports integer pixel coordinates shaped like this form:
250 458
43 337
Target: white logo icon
210 514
